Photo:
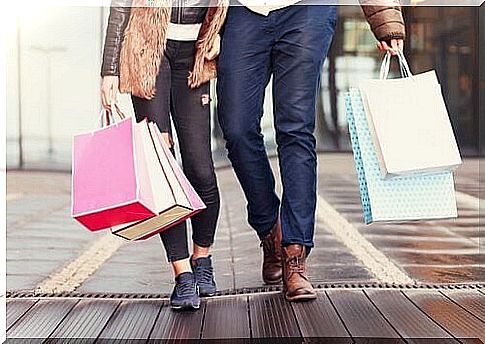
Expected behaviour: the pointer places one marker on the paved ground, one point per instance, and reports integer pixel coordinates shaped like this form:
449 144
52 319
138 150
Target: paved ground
48 251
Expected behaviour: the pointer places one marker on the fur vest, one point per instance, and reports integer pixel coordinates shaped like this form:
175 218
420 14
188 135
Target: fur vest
144 44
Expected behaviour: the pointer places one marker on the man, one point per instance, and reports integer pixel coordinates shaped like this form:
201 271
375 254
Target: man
289 42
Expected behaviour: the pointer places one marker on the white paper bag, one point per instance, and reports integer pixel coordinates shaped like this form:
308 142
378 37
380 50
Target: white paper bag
415 197
175 198
409 122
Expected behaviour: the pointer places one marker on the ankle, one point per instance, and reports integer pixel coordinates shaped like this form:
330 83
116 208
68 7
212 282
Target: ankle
195 257
181 266
200 252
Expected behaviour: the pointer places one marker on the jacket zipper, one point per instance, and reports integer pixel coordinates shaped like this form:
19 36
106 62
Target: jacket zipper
179 19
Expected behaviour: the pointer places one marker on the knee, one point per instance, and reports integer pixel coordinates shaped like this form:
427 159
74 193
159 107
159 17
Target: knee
234 133
203 180
301 135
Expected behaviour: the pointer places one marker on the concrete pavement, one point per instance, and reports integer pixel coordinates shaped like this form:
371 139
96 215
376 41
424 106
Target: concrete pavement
46 249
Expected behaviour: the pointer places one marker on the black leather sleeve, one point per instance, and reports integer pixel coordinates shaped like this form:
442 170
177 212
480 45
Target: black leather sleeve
118 19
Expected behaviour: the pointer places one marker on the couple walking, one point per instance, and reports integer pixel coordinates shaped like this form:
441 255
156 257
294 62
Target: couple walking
164 53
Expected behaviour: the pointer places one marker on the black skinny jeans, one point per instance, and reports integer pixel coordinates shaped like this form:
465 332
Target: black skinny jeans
191 117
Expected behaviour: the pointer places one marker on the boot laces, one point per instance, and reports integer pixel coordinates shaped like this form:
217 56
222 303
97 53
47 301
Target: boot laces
296 265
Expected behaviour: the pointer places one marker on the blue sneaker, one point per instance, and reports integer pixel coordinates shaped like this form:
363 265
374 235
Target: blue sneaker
185 293
204 275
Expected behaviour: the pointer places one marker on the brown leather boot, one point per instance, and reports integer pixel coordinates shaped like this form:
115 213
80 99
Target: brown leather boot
296 286
272 270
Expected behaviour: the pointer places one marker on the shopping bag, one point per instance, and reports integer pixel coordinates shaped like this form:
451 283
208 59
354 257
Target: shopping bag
409 122
110 176
403 198
175 197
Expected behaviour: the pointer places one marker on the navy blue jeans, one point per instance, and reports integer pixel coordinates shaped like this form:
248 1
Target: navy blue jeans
289 44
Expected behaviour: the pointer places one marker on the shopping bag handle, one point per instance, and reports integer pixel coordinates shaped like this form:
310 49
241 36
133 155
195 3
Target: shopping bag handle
119 112
106 116
403 66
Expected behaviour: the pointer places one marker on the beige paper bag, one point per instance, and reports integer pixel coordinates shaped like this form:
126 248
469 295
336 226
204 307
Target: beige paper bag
409 122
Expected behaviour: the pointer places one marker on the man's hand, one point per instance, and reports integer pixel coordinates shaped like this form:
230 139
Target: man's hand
109 90
215 49
396 45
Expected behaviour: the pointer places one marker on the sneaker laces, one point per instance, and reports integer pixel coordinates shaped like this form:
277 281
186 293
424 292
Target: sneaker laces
185 288
204 274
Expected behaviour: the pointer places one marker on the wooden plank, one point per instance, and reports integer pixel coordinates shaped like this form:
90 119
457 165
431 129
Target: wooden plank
17 308
272 317
42 319
361 318
471 300
318 320
450 316
406 318
178 325
227 319
132 320
86 320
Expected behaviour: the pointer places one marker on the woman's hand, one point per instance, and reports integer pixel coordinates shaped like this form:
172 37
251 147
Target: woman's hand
396 45
109 90
215 49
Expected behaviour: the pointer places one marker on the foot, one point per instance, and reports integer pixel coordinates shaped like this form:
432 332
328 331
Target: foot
204 275
185 294
272 267
296 286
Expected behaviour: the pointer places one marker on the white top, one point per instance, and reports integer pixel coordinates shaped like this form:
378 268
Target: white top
183 32
266 6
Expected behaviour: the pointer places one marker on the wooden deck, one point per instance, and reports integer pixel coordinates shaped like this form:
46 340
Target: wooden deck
339 315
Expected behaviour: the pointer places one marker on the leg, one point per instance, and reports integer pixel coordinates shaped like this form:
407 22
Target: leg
157 110
243 73
191 115
192 121
304 37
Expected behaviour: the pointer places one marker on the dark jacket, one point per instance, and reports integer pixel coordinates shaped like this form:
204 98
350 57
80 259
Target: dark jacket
183 12
136 38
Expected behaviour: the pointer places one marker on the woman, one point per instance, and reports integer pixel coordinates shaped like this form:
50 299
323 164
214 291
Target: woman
162 52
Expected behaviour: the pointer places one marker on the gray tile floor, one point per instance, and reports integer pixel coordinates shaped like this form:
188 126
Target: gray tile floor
42 238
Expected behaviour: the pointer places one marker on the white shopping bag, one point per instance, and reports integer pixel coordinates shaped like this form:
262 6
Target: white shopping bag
409 122
175 198
404 198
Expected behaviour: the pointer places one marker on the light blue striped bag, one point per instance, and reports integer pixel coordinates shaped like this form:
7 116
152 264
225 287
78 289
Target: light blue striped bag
403 198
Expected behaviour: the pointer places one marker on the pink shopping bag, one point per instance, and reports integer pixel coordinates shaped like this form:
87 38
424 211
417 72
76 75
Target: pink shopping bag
110 181
174 195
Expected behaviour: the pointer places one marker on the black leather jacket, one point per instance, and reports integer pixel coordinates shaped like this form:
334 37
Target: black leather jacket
183 12
189 11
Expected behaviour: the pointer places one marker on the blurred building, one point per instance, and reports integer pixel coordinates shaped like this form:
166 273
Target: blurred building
54 56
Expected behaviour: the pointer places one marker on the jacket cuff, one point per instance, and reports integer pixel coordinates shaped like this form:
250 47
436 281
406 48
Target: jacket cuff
386 22
109 72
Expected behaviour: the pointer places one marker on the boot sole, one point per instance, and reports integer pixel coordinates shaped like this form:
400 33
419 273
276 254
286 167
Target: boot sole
273 282
304 297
